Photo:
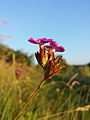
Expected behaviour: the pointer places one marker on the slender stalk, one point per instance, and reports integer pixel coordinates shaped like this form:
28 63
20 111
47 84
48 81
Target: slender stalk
82 109
30 98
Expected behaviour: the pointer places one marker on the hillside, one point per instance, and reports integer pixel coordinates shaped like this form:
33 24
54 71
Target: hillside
10 56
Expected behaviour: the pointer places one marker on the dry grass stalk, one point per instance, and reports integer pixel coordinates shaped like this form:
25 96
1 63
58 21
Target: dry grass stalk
82 109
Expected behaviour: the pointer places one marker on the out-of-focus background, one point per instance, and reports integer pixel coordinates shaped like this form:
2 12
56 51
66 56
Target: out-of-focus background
63 97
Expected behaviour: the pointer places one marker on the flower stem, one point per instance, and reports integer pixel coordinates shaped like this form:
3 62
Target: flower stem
29 99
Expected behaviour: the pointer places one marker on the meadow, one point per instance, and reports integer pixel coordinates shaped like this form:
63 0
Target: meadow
63 97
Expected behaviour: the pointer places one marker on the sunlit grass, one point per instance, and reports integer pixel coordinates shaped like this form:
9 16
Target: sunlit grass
56 100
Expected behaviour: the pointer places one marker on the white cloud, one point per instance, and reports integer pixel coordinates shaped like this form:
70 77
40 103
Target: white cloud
3 22
4 37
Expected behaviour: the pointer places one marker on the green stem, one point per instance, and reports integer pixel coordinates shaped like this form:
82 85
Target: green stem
29 99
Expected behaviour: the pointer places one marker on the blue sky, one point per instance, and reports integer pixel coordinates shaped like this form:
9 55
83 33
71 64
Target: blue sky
66 21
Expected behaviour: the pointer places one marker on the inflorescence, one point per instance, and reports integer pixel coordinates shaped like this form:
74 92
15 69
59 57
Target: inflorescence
46 56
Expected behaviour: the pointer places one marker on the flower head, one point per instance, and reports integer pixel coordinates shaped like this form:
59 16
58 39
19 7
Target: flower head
46 57
54 45
42 53
18 73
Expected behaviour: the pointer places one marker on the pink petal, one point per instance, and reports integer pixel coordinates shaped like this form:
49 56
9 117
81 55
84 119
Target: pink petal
34 41
44 40
60 49
53 44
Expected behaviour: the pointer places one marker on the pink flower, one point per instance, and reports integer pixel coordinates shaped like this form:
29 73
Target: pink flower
54 46
42 54
40 41
46 53
18 73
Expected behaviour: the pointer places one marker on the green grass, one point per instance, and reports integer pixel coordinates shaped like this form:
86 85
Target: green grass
56 99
